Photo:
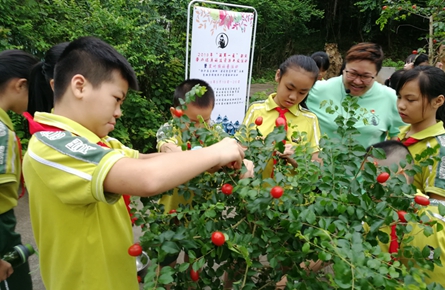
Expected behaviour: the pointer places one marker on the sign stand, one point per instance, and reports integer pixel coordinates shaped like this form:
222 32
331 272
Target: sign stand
221 53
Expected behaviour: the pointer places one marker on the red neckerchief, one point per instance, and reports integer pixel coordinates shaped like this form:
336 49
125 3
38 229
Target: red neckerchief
37 127
410 141
282 114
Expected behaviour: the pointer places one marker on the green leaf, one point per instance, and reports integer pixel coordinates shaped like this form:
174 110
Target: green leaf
324 256
170 247
441 209
184 266
306 247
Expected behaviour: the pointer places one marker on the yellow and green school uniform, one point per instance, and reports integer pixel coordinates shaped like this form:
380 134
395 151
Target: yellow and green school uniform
174 200
430 180
10 172
82 232
300 120
434 241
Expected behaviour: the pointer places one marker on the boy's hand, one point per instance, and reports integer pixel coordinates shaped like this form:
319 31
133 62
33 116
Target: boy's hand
230 153
5 270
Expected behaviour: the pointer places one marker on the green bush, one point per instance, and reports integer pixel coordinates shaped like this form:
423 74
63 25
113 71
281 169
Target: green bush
319 217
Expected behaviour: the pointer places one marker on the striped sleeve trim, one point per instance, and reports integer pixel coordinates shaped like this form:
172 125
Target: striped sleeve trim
254 107
99 178
59 166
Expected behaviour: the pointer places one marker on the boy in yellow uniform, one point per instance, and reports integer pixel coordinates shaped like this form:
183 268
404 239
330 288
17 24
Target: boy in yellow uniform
201 107
76 174
15 67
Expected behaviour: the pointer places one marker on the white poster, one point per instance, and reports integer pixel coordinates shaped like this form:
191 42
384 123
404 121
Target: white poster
220 55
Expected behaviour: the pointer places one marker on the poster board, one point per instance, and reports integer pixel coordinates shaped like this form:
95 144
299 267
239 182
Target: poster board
221 53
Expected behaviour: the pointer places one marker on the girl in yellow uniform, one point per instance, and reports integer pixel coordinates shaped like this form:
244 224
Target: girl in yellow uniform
420 103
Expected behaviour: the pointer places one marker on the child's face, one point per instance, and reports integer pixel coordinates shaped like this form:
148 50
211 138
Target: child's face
192 112
103 105
359 76
293 87
321 74
413 107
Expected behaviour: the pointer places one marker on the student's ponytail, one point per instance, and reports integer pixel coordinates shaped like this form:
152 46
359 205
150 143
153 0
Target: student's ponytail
40 92
41 95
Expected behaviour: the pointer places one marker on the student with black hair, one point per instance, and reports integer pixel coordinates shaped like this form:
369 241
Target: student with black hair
15 67
321 58
421 97
76 174
295 77
394 79
421 59
41 95
200 108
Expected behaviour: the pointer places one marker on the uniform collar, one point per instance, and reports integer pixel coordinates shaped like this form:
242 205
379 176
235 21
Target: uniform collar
433 131
4 117
65 124
271 105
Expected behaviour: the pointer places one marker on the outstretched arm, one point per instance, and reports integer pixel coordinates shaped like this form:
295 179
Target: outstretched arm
147 177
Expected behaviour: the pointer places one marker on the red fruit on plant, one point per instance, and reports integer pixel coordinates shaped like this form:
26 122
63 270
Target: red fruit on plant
135 250
178 113
172 211
422 200
139 279
414 51
218 238
280 121
435 40
382 177
227 189
189 146
414 6
401 214
259 121
194 275
384 7
276 191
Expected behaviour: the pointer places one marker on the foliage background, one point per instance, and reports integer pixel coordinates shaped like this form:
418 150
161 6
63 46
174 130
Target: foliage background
151 34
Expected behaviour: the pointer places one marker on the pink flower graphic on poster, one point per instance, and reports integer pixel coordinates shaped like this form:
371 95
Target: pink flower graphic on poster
215 19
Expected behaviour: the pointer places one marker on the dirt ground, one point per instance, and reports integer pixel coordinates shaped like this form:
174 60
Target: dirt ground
268 88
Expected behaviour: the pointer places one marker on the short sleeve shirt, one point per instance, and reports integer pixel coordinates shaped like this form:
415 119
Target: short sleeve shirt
382 117
300 119
10 164
82 232
432 178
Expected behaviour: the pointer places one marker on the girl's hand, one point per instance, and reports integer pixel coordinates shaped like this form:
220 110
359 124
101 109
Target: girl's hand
287 153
